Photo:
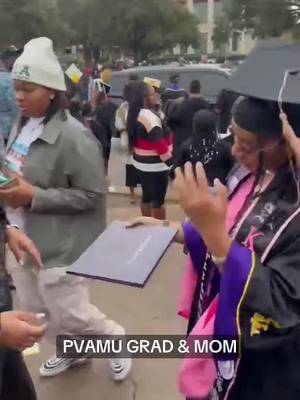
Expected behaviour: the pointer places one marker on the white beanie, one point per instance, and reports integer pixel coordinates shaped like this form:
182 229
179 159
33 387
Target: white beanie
39 64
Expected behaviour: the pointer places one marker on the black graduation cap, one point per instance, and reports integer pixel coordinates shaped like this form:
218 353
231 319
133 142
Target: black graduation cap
270 72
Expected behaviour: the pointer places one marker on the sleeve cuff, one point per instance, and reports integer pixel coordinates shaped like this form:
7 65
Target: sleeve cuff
38 197
194 243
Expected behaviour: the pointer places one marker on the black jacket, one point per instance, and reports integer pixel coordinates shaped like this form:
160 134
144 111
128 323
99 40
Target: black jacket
180 120
5 295
217 165
225 102
171 98
270 362
268 312
103 123
171 95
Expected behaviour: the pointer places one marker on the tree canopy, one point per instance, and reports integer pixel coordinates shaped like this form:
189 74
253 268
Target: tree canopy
261 18
265 18
140 27
221 33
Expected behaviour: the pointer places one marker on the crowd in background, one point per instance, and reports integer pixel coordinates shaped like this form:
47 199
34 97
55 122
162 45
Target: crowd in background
55 149
240 193
175 110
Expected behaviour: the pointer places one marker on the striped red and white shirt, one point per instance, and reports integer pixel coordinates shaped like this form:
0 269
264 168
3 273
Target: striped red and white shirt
153 144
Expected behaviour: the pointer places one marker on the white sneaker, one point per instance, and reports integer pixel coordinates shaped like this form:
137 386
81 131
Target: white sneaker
120 368
55 366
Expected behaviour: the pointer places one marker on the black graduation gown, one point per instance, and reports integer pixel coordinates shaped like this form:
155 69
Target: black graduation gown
259 298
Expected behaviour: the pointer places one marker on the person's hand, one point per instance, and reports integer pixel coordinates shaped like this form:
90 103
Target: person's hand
18 330
18 195
292 140
18 243
206 210
138 221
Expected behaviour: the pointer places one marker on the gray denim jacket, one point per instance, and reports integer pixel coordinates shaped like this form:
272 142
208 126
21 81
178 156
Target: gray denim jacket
68 210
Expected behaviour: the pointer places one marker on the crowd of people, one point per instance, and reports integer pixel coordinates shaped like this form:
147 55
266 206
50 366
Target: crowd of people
240 196
173 127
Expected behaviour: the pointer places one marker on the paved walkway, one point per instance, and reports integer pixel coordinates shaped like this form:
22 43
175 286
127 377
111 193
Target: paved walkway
151 310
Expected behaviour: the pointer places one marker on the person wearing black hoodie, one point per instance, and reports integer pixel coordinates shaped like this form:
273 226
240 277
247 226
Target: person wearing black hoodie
180 119
103 124
204 146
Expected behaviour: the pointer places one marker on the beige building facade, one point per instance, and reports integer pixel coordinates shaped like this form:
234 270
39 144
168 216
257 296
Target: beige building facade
207 12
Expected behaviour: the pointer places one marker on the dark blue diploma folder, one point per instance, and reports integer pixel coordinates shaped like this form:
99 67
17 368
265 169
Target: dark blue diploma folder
125 256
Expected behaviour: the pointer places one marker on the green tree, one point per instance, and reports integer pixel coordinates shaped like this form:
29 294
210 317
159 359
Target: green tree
222 33
21 20
264 18
139 27
153 26
89 23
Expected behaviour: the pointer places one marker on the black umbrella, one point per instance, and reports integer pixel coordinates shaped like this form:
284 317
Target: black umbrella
270 72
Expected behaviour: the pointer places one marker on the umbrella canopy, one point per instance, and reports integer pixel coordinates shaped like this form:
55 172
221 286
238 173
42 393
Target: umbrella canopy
272 67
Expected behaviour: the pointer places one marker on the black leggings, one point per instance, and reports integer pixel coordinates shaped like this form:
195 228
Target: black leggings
154 187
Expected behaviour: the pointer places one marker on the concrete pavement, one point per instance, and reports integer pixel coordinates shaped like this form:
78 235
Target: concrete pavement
151 310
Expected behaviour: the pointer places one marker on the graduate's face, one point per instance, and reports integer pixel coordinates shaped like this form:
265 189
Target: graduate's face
248 147
33 100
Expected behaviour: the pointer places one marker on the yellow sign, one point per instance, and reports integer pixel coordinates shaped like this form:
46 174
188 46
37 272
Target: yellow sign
74 73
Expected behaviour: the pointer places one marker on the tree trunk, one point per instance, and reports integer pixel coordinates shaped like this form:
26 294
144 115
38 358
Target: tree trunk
96 53
137 56
88 53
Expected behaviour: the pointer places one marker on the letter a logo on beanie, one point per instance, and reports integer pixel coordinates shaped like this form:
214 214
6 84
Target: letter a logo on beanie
24 72
39 64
